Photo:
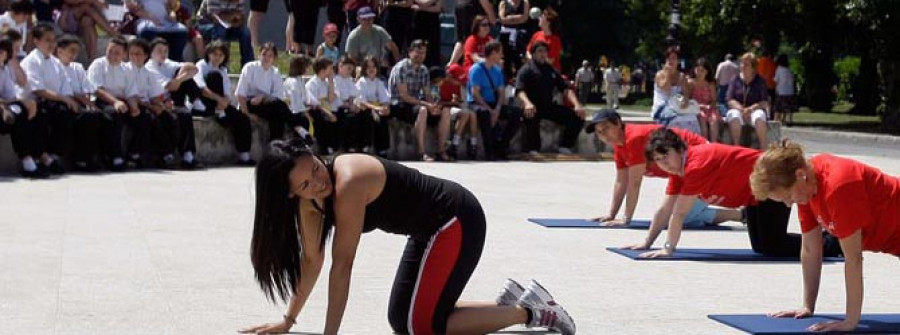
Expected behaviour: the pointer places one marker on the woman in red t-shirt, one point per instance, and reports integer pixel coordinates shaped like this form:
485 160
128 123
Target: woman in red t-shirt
549 23
719 175
855 202
474 47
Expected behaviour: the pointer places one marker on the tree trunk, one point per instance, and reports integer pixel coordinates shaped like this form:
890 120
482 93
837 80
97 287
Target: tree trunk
889 71
865 86
818 54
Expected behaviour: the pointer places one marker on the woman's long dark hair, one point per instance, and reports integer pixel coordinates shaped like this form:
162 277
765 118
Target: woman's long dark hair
275 247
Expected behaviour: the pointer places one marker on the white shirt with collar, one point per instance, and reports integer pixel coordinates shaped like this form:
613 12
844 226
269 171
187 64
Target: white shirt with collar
373 91
295 92
78 79
203 69
46 73
8 86
146 83
167 68
257 81
115 79
317 90
345 89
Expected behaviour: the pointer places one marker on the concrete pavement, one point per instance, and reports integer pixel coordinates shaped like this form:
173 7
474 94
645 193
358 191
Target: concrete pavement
168 253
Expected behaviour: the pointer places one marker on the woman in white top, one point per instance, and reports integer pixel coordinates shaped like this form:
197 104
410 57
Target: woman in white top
18 121
374 99
323 104
784 91
260 89
216 96
670 83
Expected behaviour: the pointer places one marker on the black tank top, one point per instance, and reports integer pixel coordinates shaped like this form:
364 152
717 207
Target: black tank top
515 10
411 202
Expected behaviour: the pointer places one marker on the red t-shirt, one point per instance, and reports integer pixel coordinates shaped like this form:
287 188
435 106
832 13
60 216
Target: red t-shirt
852 196
474 46
554 47
448 89
632 152
766 68
719 174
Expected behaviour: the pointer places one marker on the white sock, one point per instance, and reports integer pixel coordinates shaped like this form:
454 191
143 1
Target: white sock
118 161
188 157
169 157
220 113
244 156
28 164
135 156
455 140
473 140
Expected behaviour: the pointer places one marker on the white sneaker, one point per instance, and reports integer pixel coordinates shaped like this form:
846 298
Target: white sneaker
510 294
544 310
565 151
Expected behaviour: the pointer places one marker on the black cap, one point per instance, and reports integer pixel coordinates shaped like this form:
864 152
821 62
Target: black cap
605 114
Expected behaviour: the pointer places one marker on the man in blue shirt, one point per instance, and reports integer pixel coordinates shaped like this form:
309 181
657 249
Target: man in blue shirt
485 95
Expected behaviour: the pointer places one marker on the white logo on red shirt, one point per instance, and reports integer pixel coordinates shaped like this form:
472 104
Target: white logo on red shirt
829 226
713 199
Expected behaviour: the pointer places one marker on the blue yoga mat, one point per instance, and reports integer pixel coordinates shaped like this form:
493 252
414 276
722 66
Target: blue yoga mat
635 224
762 324
718 255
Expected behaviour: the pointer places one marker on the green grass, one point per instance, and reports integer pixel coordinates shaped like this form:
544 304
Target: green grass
838 118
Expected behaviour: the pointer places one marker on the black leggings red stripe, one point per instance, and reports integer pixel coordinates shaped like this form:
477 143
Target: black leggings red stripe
433 273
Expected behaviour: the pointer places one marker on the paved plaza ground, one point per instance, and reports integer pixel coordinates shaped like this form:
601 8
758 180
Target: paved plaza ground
168 253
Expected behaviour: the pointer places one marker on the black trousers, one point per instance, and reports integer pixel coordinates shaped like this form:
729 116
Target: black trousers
236 121
496 138
356 128
59 126
397 22
767 224
306 19
428 28
275 112
421 301
173 130
327 133
381 134
561 115
114 126
28 136
187 91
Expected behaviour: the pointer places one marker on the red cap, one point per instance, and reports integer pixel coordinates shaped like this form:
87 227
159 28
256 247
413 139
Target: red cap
457 72
329 28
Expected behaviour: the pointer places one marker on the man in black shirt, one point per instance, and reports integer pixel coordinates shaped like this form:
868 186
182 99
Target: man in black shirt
535 85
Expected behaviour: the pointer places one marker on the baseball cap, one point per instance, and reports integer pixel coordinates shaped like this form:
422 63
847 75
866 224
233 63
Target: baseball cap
329 28
605 114
365 13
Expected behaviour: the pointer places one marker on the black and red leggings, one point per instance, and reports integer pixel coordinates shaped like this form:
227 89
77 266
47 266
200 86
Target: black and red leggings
434 272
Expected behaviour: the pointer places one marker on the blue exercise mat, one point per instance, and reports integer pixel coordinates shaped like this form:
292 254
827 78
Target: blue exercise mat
717 255
635 224
762 324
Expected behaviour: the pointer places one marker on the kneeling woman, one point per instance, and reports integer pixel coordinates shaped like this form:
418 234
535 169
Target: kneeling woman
299 193
720 175
857 203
